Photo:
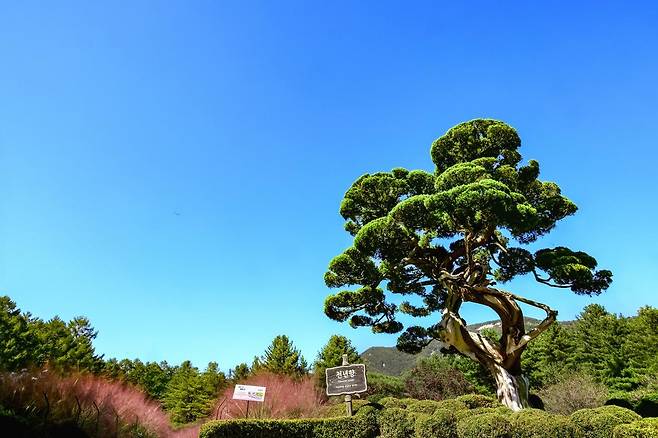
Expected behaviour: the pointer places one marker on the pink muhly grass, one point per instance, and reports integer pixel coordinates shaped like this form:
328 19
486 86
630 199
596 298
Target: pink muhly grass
285 397
96 404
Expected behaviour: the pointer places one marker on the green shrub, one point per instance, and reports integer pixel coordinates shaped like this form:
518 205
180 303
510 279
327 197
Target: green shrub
364 426
501 410
392 402
424 407
648 405
599 422
441 424
487 425
382 385
535 423
396 423
473 401
339 410
453 405
645 428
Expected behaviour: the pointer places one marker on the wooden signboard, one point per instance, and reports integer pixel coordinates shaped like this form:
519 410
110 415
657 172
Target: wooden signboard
346 379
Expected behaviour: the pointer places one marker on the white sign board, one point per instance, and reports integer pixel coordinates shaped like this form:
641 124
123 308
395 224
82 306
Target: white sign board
249 393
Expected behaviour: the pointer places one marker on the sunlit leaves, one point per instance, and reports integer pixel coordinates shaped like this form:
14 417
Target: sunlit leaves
476 139
413 229
351 267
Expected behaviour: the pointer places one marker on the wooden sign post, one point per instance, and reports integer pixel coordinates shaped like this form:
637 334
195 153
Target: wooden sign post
348 397
346 380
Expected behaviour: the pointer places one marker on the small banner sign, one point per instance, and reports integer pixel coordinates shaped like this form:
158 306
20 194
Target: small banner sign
346 379
249 393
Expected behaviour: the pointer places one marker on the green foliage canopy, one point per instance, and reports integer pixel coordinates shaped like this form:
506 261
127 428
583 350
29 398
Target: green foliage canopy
446 237
281 357
331 355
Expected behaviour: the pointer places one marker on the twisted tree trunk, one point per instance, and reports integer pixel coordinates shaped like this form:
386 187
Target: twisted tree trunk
511 389
502 359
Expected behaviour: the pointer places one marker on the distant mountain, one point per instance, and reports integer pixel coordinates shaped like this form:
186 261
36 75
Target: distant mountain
391 361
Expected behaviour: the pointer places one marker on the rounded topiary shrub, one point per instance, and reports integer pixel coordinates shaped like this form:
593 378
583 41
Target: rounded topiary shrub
396 423
339 427
392 402
441 424
600 422
473 401
363 426
535 423
501 410
340 410
424 407
452 405
488 425
645 428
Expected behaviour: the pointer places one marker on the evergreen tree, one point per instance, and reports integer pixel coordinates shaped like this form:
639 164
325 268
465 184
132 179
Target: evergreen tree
213 379
281 357
641 346
449 237
17 342
549 356
187 397
331 355
240 372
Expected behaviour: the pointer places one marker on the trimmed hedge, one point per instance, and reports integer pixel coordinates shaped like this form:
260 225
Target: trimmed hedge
339 410
396 423
645 428
535 423
441 424
487 425
502 410
600 422
363 426
446 419
473 401
401 403
453 405
424 407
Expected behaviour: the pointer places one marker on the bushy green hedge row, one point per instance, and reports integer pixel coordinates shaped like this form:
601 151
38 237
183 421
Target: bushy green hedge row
360 426
463 417
600 422
645 428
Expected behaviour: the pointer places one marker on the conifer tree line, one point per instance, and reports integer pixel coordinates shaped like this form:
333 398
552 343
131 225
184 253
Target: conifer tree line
618 352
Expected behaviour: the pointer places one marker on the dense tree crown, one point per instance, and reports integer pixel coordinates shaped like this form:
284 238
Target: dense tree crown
28 341
448 237
281 357
331 355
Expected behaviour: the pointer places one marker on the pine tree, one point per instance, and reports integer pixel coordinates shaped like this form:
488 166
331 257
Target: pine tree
281 357
240 372
187 397
331 355
17 343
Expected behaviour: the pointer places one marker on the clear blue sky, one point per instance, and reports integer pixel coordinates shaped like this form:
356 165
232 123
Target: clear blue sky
173 170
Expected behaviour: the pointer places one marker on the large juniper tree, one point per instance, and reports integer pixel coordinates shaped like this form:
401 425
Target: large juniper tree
447 238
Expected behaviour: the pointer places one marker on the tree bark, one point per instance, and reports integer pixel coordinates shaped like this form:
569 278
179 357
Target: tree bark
502 360
512 390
